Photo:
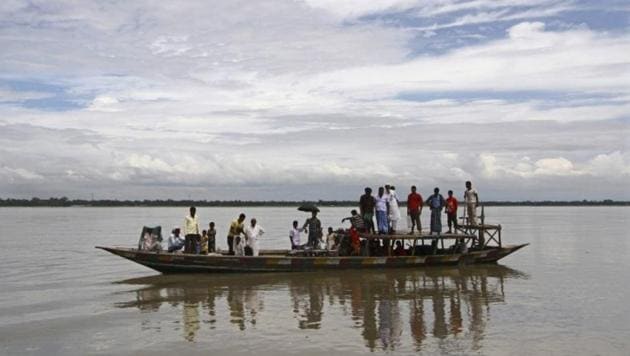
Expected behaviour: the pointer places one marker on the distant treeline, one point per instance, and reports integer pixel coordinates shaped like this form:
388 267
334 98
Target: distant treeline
65 202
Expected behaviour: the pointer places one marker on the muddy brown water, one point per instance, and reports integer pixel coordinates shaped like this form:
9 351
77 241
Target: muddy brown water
566 293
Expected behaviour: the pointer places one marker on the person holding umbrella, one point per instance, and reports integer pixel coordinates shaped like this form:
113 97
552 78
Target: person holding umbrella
312 226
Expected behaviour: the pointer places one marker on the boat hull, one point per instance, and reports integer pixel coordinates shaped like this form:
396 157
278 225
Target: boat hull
188 263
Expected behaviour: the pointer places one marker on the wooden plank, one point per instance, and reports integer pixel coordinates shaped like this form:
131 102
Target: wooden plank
479 226
415 237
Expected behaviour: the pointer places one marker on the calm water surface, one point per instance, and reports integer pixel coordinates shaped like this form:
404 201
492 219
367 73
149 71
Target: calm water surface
566 293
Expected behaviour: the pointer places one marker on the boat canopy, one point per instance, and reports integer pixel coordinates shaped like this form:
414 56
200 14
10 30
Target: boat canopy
154 233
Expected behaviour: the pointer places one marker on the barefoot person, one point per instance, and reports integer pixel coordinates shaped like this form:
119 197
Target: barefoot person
191 232
212 235
313 227
394 210
366 208
294 236
381 211
252 233
436 202
471 197
414 209
236 228
451 212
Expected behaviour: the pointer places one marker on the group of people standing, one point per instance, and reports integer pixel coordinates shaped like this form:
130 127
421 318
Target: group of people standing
194 240
312 227
242 238
385 206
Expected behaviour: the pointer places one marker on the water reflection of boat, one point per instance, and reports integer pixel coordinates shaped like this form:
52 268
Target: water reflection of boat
391 308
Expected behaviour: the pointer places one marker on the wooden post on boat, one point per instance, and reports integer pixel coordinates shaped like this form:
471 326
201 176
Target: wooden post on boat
500 244
481 228
413 248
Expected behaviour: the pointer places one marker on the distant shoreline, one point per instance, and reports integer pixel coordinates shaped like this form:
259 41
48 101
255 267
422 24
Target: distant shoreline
65 202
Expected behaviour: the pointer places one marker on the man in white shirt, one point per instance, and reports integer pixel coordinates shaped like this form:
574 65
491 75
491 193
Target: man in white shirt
175 241
472 200
294 236
381 211
252 233
394 210
191 232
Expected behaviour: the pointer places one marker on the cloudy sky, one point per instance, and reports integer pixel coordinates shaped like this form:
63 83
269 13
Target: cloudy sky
310 99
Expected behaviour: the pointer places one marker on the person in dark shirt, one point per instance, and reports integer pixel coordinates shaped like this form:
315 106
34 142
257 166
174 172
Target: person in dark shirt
212 236
366 207
356 220
313 227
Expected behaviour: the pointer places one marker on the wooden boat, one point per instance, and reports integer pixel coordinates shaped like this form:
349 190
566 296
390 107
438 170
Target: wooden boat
282 261
474 244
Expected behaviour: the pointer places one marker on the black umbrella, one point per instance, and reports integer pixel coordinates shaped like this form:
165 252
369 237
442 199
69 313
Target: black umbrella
309 208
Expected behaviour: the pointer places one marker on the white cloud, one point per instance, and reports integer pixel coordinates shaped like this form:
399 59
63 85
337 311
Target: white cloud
104 103
530 59
555 166
351 9
8 95
19 175
603 165
611 164
302 94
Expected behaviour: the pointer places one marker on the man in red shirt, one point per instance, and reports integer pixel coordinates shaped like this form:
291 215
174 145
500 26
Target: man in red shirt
451 211
414 208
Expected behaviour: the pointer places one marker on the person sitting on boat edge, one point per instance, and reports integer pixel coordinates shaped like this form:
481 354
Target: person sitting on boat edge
252 233
356 220
236 228
294 236
313 227
212 236
175 241
191 232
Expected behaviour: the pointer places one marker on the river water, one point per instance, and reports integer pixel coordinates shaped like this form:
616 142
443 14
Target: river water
565 294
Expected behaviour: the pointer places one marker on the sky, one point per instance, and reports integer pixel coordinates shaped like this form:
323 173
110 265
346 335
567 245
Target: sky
314 99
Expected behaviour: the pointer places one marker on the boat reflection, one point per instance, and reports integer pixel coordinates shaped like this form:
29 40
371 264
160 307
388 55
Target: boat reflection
391 308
